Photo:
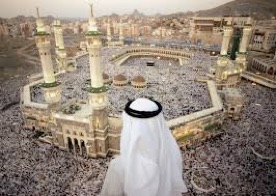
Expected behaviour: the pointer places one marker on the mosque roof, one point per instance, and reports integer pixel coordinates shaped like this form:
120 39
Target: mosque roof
105 76
138 79
120 77
93 33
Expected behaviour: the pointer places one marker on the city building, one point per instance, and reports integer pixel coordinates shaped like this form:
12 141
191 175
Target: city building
4 30
111 40
26 29
263 37
264 66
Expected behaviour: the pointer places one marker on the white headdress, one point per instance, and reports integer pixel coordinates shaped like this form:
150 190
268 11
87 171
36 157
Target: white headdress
150 162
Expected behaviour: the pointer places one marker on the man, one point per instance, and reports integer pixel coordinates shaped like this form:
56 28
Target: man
150 162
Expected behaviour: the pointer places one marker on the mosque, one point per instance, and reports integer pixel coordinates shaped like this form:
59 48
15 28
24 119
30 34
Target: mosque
84 126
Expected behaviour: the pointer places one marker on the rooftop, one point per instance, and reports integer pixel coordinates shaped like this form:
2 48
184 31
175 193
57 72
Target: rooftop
78 110
120 77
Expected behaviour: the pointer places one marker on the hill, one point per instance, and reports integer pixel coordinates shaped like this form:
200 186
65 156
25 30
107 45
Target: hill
259 9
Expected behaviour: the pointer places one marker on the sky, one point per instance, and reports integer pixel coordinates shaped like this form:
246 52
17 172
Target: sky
79 9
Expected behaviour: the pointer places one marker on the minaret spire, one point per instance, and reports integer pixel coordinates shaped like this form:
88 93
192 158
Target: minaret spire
40 27
91 10
92 21
37 12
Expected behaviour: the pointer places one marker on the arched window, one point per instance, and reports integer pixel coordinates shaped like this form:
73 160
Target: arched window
270 71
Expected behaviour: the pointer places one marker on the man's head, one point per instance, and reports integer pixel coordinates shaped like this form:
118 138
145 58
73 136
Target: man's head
143 108
144 128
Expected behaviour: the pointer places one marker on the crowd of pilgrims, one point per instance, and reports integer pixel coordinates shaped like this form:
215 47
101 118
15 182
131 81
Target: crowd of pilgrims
29 167
168 82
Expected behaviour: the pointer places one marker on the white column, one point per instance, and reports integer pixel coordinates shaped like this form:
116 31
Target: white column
227 33
245 39
94 46
95 67
46 62
108 31
55 33
60 38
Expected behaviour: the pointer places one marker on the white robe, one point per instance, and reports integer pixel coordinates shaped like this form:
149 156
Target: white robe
150 162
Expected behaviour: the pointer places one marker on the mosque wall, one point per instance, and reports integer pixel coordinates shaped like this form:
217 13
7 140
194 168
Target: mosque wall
199 129
148 51
91 145
114 142
36 118
99 119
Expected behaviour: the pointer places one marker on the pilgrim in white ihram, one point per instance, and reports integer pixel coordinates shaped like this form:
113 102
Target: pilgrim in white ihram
150 162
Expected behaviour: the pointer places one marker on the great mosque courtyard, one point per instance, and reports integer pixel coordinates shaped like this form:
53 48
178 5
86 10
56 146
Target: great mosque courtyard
174 85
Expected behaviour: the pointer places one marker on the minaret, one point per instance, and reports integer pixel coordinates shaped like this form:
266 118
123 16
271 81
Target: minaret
227 33
223 60
97 91
55 33
108 32
50 86
94 46
241 56
245 38
60 50
121 36
58 34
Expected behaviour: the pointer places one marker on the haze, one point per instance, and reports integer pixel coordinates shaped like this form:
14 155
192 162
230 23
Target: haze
78 8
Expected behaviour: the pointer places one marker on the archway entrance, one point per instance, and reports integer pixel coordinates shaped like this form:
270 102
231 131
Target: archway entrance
77 147
83 148
270 71
70 144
